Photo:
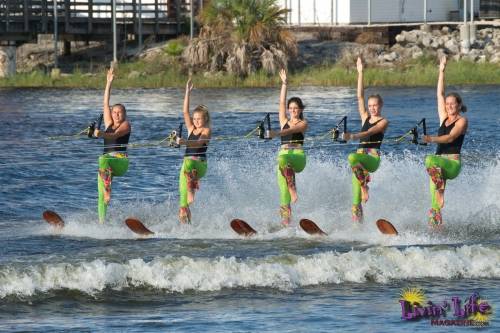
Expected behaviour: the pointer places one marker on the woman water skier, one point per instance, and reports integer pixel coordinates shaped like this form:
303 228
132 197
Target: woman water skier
445 164
116 134
291 157
367 156
194 165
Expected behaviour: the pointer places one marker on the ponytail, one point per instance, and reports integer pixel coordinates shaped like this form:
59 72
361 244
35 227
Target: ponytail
458 99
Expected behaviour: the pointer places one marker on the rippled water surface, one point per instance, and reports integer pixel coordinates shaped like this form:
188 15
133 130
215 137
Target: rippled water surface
203 277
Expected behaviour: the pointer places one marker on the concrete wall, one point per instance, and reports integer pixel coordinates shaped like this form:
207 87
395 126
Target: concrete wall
413 11
317 12
384 10
327 12
344 11
437 10
392 11
324 11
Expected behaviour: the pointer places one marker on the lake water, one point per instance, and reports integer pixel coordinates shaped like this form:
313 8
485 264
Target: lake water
204 277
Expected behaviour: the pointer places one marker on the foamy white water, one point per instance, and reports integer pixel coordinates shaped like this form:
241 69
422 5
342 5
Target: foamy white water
181 274
204 277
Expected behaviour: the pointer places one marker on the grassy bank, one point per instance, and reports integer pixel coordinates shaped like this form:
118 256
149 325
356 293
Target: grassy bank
140 74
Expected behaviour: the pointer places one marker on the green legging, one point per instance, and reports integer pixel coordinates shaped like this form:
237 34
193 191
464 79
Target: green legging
296 159
450 169
369 162
109 167
188 166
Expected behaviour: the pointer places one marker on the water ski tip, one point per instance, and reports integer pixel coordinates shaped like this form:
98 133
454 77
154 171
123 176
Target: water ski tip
311 228
137 227
242 228
386 227
53 219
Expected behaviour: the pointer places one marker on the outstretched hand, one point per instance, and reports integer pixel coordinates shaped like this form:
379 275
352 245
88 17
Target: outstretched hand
359 65
189 85
273 134
442 64
346 136
111 75
180 141
283 76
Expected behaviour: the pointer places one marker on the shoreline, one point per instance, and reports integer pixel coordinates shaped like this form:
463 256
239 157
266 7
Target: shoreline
418 73
320 60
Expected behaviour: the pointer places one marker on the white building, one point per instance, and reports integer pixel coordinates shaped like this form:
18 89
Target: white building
330 12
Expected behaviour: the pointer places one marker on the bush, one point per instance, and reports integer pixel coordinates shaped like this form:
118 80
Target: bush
174 48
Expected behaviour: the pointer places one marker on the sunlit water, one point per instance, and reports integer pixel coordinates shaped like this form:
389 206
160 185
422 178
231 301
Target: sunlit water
203 277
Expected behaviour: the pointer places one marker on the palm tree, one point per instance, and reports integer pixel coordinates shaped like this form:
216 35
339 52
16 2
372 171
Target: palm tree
242 36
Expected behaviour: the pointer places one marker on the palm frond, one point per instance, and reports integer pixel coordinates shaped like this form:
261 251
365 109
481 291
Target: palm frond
247 26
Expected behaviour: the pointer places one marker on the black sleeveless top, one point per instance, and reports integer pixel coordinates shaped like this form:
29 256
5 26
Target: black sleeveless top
375 140
196 151
118 144
292 138
453 147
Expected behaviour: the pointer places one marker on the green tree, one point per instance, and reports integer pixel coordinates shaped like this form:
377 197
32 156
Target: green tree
241 36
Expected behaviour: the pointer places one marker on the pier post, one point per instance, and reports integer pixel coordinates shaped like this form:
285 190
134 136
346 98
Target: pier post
67 48
369 9
115 39
472 33
465 37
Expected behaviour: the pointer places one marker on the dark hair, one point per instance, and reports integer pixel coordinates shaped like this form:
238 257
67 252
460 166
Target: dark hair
378 98
299 103
458 99
121 107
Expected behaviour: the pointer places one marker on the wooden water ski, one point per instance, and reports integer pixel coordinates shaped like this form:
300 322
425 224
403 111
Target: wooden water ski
53 219
242 228
137 227
311 228
386 227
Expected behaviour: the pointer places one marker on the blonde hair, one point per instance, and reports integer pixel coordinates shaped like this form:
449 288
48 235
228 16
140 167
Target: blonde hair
120 106
378 98
203 110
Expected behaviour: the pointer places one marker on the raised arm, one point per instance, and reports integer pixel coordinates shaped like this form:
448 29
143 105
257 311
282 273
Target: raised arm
284 82
441 103
361 92
185 109
108 120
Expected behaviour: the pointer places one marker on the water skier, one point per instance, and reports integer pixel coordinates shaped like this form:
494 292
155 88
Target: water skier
194 165
366 160
445 164
114 162
291 157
